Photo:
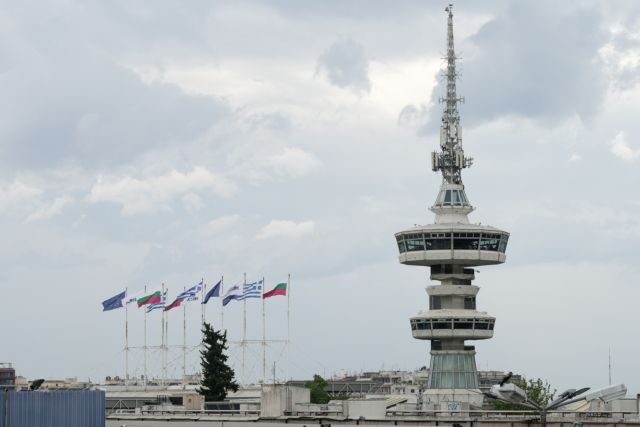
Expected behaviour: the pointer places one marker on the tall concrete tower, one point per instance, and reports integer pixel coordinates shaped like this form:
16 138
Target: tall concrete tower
451 247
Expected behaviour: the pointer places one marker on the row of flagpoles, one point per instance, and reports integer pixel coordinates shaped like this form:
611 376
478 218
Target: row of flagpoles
157 299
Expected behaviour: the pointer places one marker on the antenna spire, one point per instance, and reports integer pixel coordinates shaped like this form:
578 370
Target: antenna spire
450 160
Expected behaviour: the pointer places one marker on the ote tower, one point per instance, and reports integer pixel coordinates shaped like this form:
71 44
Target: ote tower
451 247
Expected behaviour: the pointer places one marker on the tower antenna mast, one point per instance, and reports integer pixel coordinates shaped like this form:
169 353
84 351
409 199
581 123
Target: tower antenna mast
450 160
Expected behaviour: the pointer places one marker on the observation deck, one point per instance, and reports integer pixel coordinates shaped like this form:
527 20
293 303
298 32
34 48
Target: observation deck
452 243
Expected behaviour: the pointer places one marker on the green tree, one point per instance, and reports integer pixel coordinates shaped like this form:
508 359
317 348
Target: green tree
318 390
217 376
537 391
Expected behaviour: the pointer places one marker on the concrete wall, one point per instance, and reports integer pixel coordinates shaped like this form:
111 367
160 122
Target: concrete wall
192 401
371 409
277 399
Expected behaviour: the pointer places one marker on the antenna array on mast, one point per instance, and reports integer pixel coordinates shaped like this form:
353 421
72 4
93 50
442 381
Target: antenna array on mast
450 160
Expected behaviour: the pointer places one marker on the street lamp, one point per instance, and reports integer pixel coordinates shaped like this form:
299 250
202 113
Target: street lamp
511 393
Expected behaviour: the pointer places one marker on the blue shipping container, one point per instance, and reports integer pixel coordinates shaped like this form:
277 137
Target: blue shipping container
83 408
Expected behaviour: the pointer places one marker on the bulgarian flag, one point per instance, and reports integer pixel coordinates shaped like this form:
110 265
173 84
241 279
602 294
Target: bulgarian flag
153 298
280 289
174 304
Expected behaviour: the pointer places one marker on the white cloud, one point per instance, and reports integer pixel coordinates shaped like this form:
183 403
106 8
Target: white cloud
289 229
294 162
192 202
620 148
16 195
52 210
575 157
149 195
220 224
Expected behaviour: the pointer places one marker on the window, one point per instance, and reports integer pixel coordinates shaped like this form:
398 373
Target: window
442 324
465 241
435 302
469 303
463 197
503 243
438 241
454 198
424 324
463 324
489 242
482 324
447 197
453 371
415 242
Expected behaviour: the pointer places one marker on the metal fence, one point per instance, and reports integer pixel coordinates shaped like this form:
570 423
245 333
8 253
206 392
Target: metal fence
52 408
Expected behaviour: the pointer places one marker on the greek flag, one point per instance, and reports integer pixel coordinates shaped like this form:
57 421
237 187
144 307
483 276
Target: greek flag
251 290
190 294
151 307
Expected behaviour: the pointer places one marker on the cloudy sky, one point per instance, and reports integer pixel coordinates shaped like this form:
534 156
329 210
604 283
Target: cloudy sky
149 142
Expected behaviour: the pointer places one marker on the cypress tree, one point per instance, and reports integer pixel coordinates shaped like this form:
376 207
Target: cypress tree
217 376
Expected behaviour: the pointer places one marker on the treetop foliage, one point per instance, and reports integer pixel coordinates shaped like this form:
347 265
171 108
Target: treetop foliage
217 376
318 390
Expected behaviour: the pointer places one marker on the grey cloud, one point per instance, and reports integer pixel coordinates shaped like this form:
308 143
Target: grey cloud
345 65
94 113
67 100
537 60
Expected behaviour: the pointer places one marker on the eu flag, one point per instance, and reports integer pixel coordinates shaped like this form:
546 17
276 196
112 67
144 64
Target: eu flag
113 302
213 292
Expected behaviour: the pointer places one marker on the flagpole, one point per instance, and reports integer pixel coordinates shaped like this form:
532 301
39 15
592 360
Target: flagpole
202 294
221 303
162 353
145 343
126 342
244 330
286 368
264 339
184 339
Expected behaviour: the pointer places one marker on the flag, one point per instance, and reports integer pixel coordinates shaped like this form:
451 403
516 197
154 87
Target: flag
152 298
174 304
151 307
213 292
280 289
190 294
114 302
251 290
133 297
233 293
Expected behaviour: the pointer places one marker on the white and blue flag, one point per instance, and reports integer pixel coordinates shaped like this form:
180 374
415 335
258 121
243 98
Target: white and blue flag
251 290
233 293
161 304
190 294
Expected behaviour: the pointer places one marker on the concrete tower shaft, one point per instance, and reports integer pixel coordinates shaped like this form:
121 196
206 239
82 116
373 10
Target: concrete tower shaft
451 247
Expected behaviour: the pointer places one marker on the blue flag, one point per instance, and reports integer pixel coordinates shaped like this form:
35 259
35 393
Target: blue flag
113 302
213 292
